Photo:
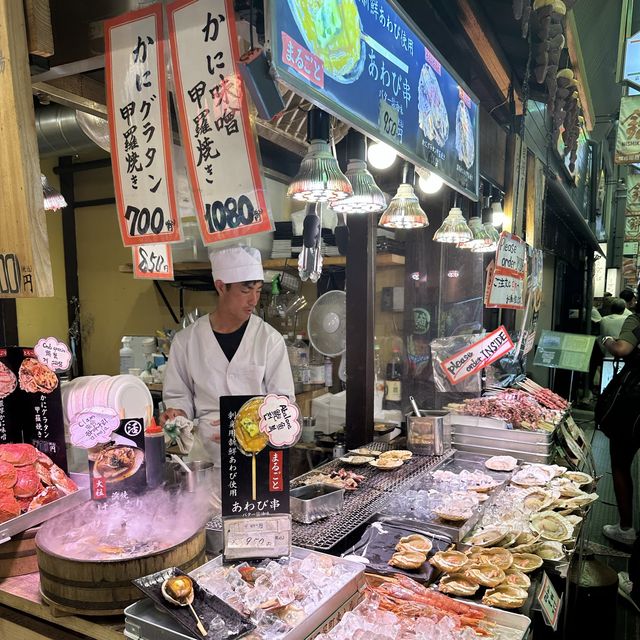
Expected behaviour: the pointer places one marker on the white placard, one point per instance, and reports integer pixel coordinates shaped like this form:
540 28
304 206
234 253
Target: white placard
214 117
505 290
628 138
139 127
93 426
153 261
511 254
258 537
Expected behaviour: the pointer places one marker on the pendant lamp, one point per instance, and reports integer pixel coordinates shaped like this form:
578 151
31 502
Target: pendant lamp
404 211
493 235
367 196
319 178
480 237
454 229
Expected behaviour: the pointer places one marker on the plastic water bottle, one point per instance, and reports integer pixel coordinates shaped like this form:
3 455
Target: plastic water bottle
378 393
126 356
328 372
304 372
299 348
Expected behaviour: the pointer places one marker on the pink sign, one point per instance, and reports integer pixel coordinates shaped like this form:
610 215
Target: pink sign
53 353
279 419
302 60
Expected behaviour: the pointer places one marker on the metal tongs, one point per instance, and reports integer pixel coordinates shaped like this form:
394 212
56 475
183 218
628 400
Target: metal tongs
310 259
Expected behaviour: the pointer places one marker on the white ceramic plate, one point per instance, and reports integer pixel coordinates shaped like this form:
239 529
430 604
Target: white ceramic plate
129 395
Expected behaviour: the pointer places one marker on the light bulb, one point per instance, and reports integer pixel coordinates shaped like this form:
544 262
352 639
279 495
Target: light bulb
430 184
497 214
380 155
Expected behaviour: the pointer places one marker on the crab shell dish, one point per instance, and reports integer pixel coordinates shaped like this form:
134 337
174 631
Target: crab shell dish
458 585
526 562
551 526
488 575
505 597
449 561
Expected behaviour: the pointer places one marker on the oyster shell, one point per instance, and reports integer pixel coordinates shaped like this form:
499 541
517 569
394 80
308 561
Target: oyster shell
516 578
578 477
453 512
505 597
565 487
488 575
486 537
538 499
501 463
549 550
532 476
458 585
526 562
551 526
449 561
408 559
415 542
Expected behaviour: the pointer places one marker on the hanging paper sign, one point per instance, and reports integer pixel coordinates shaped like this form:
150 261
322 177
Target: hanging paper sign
628 137
279 420
505 291
214 116
477 356
139 127
388 120
152 261
53 353
633 194
93 426
511 254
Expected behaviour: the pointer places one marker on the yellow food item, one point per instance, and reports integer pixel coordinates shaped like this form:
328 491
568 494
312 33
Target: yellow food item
248 435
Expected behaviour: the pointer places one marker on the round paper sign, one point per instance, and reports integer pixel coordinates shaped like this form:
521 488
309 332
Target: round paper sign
53 353
279 420
94 426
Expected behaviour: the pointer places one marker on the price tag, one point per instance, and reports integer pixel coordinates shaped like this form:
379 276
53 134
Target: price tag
153 261
550 602
53 354
93 426
259 537
279 419
388 120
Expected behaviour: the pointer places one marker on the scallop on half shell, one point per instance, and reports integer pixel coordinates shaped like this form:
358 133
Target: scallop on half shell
578 477
538 499
449 561
505 597
517 578
501 463
415 542
497 556
526 562
488 575
549 550
458 585
551 526
486 537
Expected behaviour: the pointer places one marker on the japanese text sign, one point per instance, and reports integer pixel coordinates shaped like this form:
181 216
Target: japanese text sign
153 261
279 420
368 63
267 537
214 116
93 426
53 353
549 601
139 127
504 290
478 356
511 254
628 137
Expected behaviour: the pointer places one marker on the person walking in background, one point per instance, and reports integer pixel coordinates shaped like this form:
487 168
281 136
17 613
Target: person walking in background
611 325
630 300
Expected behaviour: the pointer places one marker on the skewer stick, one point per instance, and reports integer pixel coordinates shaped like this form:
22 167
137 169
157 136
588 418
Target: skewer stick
254 490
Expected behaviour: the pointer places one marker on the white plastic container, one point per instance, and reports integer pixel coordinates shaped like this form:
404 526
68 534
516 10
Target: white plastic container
126 356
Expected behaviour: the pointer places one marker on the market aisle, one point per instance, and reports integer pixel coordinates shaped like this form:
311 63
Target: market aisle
604 511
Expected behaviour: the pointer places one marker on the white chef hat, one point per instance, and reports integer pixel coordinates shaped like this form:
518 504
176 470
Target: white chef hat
236 264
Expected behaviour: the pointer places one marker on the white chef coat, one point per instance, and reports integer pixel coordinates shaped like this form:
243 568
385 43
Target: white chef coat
198 373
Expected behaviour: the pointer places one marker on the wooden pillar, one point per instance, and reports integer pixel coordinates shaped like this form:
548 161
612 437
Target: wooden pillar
515 185
534 201
25 263
361 264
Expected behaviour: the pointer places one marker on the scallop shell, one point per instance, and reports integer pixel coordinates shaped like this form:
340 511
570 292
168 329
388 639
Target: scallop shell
551 526
549 550
397 454
509 539
516 578
498 557
415 542
449 561
574 520
565 487
453 512
501 463
578 502
538 499
458 585
579 477
408 560
526 562
505 597
486 537
527 538
532 476
488 575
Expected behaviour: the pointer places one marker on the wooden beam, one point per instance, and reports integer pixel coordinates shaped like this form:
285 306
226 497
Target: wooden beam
534 202
577 64
481 36
77 92
39 31
24 245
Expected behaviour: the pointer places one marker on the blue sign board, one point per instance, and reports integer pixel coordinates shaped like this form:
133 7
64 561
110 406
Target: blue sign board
368 64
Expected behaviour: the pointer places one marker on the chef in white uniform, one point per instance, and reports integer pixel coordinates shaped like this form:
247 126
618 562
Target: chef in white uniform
228 352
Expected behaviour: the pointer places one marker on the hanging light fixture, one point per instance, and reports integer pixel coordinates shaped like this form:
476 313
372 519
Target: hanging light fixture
479 236
404 211
319 178
53 199
367 196
428 182
381 156
454 229
497 214
493 235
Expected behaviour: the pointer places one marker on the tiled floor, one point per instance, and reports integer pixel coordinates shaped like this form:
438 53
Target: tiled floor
603 512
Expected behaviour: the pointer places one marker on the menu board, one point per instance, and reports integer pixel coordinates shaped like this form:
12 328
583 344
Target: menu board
367 63
564 351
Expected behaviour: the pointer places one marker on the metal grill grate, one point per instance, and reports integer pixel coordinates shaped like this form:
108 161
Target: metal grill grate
359 505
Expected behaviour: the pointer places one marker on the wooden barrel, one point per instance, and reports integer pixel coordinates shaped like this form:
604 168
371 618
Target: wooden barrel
18 555
103 588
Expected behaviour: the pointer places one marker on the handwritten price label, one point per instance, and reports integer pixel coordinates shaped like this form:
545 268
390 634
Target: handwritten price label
388 120
153 261
279 419
550 602
93 426
53 353
257 537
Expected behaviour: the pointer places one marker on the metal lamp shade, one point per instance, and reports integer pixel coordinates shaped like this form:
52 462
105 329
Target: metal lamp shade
454 229
404 211
367 196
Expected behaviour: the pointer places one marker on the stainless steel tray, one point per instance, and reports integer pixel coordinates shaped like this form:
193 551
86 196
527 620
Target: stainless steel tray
500 444
314 502
30 519
144 622
489 451
467 425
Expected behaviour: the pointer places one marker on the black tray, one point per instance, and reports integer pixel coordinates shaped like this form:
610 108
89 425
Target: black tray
378 544
205 604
